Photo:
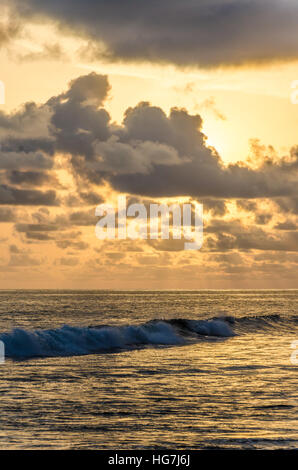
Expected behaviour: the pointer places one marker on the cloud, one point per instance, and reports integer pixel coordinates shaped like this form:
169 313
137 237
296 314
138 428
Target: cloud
14 249
7 214
167 245
235 235
27 197
217 207
189 32
77 122
76 245
32 178
157 155
287 225
83 218
92 88
263 218
37 236
83 198
37 228
22 160
48 52
31 121
289 205
9 27
151 154
23 259
131 158
69 261
199 171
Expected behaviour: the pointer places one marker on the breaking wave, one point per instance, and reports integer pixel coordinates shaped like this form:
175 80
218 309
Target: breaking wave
72 341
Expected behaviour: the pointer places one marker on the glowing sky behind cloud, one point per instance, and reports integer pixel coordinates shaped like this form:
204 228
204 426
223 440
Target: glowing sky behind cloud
69 143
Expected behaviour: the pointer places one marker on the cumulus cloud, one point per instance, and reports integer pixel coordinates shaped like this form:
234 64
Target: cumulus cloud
154 154
205 32
150 154
31 121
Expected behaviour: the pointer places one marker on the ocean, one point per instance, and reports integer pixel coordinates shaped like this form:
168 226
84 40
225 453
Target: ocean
149 369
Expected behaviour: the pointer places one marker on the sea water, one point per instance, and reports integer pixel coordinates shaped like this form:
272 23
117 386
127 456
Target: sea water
149 369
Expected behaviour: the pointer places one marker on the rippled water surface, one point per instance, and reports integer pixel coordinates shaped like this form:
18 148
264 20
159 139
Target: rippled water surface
137 370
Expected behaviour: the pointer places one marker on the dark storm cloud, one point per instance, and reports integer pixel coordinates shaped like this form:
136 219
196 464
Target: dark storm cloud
30 119
27 145
26 155
21 160
288 205
83 198
31 178
205 32
90 198
263 219
233 235
77 122
92 87
189 167
247 205
151 154
217 207
26 197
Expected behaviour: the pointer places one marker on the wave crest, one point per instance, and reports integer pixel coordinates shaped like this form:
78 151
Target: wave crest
71 341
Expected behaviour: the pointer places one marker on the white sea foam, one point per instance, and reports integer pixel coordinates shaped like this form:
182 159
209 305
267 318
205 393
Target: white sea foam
69 340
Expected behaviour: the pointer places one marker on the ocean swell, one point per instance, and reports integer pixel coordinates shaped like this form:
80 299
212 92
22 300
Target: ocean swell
71 341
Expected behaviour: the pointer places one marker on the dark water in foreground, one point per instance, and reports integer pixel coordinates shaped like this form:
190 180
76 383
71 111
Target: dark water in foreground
146 370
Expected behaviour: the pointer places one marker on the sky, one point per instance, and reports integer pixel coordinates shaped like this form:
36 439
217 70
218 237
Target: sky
163 102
